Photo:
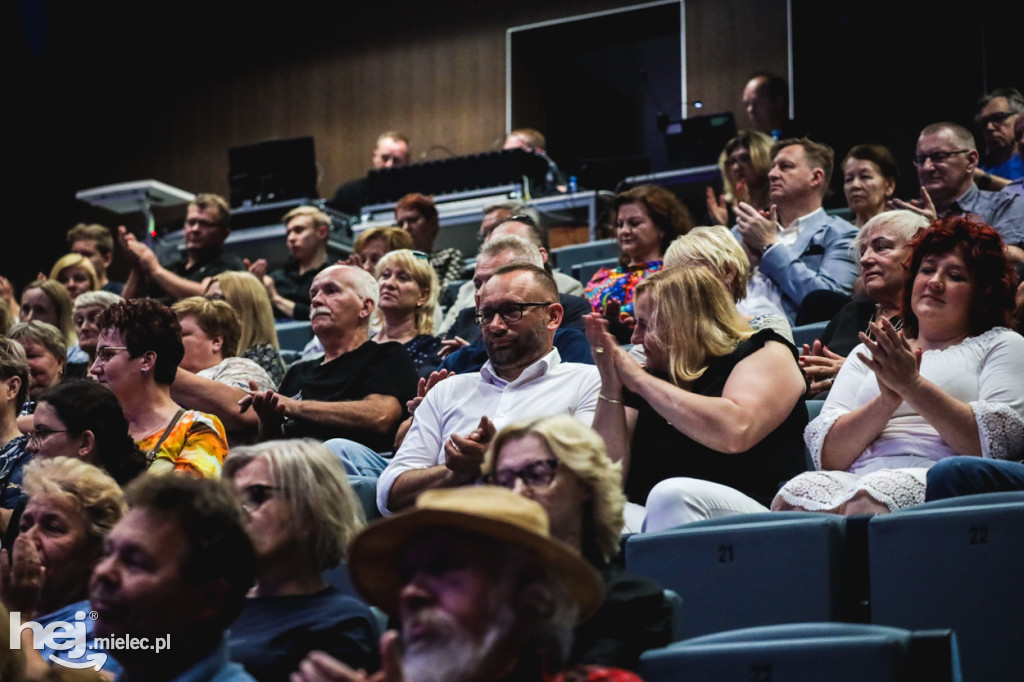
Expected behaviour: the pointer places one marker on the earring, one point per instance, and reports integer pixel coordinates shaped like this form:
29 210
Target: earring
144 370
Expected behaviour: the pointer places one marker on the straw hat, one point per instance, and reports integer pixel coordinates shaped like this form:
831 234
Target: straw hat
485 511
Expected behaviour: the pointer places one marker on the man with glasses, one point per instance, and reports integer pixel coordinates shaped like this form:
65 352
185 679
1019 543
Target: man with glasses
207 226
518 313
946 159
996 114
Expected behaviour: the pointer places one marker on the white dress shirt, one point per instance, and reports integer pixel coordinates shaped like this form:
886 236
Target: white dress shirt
547 387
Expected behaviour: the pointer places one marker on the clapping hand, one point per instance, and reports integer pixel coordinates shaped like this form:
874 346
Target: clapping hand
894 361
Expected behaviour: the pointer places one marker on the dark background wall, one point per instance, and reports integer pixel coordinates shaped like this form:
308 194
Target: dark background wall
102 93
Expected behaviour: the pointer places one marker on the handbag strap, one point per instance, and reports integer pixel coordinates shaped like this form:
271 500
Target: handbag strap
151 455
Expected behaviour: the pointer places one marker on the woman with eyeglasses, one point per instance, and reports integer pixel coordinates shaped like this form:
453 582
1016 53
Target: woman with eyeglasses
137 357
405 311
647 219
302 515
562 465
717 407
744 164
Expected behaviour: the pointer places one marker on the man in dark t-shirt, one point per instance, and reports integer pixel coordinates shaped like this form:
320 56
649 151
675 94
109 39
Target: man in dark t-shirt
357 392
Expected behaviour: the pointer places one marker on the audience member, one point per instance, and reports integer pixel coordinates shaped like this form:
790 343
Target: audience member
306 232
44 577
744 164
405 314
525 225
211 377
257 340
947 384
524 377
83 419
417 215
883 245
797 247
392 150
997 112
96 243
86 309
482 590
461 356
371 245
14 452
717 402
1016 187
869 180
647 219
177 567
301 514
356 393
766 99
75 273
533 141
45 300
562 465
44 350
207 225
137 357
946 159
507 246
717 250
497 213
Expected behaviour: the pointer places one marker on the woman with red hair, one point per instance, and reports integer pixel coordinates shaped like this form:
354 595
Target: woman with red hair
948 383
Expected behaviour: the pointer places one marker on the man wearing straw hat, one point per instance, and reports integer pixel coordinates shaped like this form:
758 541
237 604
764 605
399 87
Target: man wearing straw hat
482 590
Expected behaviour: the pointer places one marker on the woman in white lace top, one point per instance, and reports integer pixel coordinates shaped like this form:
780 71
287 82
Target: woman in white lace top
948 384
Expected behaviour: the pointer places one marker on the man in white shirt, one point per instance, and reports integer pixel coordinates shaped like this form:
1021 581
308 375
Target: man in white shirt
797 247
524 376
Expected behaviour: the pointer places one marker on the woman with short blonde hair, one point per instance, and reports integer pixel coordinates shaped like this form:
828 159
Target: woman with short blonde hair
302 514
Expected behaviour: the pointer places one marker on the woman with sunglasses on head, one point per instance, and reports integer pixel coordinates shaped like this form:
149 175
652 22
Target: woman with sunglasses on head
562 464
301 514
137 357
405 313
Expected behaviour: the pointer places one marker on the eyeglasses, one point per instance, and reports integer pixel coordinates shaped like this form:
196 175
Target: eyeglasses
421 255
254 496
105 354
996 118
509 312
937 157
537 474
39 435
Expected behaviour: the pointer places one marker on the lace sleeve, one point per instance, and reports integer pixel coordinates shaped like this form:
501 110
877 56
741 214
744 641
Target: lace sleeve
1000 427
814 434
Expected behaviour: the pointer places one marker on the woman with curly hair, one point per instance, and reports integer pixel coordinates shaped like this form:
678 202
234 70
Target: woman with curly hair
137 357
947 384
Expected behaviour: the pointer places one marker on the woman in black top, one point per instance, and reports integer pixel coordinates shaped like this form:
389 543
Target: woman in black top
716 401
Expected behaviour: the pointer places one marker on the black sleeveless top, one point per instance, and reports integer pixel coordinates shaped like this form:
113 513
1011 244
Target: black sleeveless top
659 451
